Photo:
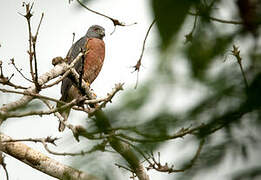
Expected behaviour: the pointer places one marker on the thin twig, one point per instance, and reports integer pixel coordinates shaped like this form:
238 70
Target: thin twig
19 71
40 113
217 19
149 138
6 81
82 153
32 95
236 53
124 167
138 64
35 140
38 28
170 169
118 87
115 22
189 36
28 15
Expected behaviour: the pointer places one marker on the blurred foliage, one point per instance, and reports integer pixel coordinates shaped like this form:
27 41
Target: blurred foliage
230 110
170 15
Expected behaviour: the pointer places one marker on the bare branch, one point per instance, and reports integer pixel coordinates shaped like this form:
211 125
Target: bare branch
35 140
51 140
19 71
170 169
57 81
236 53
28 15
41 162
217 19
6 81
115 22
33 95
189 37
40 113
126 152
138 64
150 138
53 73
118 87
34 39
98 147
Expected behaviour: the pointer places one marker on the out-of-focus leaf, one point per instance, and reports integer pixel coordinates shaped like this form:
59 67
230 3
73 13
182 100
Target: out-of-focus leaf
248 174
160 124
170 15
204 48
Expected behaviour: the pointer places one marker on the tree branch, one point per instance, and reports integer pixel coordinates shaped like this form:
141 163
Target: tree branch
138 64
217 19
53 73
41 162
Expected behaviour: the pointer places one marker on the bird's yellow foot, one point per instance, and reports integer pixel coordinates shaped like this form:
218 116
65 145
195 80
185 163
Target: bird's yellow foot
94 95
87 84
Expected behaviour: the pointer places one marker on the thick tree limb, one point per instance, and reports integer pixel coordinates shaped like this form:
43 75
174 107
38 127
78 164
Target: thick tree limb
41 162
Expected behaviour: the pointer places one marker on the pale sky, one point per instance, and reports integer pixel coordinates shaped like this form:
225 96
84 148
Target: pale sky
123 49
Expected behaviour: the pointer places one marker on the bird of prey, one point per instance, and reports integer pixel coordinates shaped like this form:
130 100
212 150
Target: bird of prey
92 43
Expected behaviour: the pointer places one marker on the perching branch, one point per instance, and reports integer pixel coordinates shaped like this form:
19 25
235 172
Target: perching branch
53 73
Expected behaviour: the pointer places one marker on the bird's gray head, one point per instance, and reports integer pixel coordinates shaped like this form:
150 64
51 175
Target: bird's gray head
96 31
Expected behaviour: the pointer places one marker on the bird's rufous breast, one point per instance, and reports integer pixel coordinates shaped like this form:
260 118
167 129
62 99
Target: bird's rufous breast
93 59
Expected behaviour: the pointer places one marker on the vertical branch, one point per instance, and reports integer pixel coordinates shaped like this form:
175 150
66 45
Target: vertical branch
34 39
32 43
28 15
